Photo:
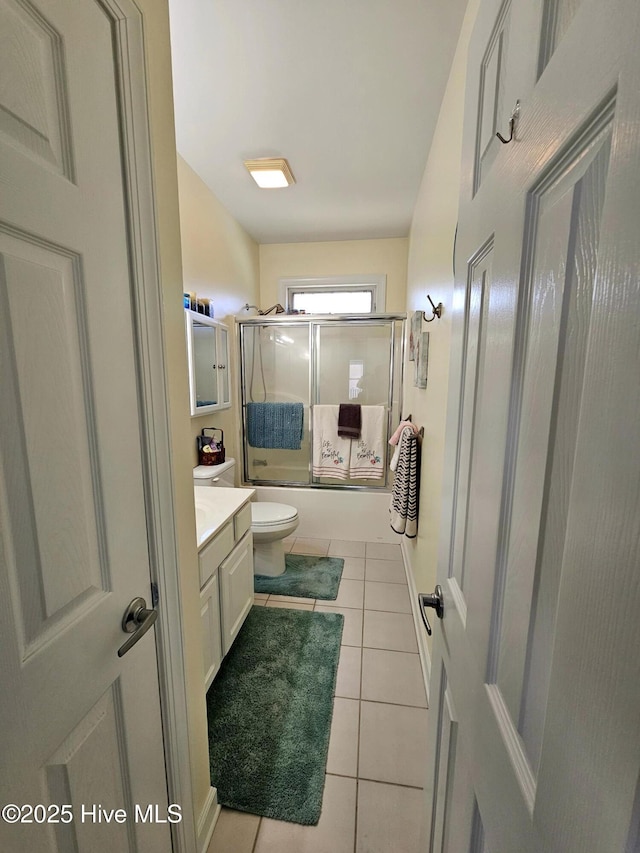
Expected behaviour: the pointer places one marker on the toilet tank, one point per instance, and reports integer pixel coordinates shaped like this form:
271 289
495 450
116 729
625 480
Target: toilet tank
215 475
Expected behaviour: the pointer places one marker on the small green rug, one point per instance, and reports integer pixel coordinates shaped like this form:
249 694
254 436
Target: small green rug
269 711
306 577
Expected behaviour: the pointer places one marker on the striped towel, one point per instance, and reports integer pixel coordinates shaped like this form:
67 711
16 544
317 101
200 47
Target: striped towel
404 496
275 425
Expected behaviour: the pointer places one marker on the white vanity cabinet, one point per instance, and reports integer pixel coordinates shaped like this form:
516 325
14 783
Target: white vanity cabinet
226 587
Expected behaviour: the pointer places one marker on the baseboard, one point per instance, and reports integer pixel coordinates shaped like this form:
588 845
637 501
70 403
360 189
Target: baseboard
207 820
423 648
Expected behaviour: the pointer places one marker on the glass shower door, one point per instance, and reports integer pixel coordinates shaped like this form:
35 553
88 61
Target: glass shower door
276 372
352 364
304 363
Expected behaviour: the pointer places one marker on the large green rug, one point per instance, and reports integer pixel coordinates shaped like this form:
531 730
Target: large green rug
306 577
269 712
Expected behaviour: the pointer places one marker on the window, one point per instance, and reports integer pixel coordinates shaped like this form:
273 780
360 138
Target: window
334 294
356 372
332 301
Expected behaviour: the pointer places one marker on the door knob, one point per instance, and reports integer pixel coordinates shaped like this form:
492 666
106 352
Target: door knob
136 621
434 600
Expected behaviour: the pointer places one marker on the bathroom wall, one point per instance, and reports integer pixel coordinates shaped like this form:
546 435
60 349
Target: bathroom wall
219 261
430 270
347 257
158 58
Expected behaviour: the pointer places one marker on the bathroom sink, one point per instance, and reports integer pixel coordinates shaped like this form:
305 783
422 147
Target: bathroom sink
207 519
214 507
201 516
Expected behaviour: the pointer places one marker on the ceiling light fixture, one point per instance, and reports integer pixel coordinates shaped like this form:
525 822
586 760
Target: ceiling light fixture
270 172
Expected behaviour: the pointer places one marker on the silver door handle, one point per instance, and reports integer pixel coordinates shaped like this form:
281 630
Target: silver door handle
435 600
136 621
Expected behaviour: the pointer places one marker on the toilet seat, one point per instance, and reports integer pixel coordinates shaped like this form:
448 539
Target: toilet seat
266 514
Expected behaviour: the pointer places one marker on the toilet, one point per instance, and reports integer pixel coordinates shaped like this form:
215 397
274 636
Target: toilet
270 522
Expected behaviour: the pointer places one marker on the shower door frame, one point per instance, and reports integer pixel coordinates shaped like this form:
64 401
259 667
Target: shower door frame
315 322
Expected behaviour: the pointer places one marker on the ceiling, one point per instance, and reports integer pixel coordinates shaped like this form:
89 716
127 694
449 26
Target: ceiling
347 90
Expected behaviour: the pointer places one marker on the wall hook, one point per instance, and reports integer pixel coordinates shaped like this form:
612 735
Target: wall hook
437 310
512 124
420 432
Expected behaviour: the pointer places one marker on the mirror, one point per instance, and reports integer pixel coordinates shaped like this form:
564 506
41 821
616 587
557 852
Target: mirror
207 348
205 365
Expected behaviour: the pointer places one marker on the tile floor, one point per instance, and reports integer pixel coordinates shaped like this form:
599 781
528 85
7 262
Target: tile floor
373 799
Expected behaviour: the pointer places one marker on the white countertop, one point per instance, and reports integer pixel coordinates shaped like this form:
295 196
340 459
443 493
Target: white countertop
214 507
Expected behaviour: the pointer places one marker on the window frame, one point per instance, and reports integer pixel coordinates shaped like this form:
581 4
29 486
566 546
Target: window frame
376 284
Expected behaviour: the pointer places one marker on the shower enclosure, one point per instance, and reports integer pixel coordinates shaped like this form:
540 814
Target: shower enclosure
318 360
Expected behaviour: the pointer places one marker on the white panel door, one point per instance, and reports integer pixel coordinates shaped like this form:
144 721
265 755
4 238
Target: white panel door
80 726
535 733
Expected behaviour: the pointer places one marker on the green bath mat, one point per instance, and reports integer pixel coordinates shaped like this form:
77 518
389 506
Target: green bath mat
306 577
269 713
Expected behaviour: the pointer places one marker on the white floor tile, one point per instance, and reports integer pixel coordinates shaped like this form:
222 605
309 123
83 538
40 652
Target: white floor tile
292 599
383 551
341 548
394 631
385 571
348 680
350 594
393 677
392 597
235 832
389 818
352 630
343 742
313 547
393 744
353 568
381 739
292 605
335 832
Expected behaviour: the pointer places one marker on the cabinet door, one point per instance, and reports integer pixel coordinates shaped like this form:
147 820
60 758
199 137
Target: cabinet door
236 589
208 353
211 629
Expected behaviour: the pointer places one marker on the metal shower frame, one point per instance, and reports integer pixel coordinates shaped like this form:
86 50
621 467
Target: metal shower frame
315 322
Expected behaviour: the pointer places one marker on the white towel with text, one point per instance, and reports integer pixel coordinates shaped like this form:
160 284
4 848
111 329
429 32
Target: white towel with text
331 453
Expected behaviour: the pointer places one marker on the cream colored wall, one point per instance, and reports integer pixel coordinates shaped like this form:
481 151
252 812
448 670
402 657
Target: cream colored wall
219 261
430 270
348 257
157 50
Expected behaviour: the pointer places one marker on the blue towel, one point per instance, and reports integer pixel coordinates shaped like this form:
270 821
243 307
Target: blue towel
275 425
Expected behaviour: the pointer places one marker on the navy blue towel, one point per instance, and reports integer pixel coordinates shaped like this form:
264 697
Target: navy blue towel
276 425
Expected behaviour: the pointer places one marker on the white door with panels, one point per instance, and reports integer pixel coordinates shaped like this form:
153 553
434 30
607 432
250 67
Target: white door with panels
535 727
80 733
